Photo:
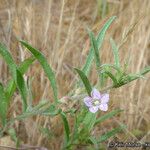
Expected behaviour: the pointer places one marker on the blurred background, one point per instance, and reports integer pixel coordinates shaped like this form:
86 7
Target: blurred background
59 29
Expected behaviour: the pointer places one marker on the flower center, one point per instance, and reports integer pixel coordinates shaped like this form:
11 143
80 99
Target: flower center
96 102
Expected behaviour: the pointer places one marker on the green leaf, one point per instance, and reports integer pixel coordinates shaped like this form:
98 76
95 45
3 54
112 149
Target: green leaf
145 70
102 32
47 69
100 38
111 66
23 67
95 48
9 60
94 141
66 127
108 116
115 82
89 120
97 58
22 89
3 106
51 113
41 109
15 73
110 133
85 81
40 105
10 89
74 136
131 77
115 52
14 137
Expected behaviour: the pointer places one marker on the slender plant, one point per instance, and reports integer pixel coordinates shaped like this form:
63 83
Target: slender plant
93 100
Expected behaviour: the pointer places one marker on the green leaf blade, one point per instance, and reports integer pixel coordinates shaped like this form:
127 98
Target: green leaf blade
145 70
89 120
17 77
131 77
3 106
95 49
85 81
102 32
22 89
111 133
9 60
86 68
47 69
23 67
113 78
108 116
10 89
66 127
115 52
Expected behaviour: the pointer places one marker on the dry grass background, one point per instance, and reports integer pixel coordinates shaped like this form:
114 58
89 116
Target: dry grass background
58 29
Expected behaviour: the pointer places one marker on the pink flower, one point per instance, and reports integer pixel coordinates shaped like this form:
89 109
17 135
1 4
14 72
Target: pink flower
97 101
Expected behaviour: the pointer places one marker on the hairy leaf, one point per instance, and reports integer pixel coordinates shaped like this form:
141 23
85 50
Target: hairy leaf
85 81
47 69
22 89
66 127
108 116
17 77
115 52
110 133
100 38
23 67
3 106
9 60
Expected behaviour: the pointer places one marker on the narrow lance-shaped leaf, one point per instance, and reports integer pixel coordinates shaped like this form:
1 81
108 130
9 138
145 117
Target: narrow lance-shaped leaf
115 82
3 105
94 141
115 52
89 120
131 77
97 58
66 127
95 48
102 32
13 135
110 133
23 67
145 70
34 112
47 69
75 130
22 89
111 66
9 60
10 89
85 81
15 73
100 38
108 116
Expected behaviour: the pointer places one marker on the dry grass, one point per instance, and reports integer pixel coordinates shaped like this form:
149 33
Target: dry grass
58 29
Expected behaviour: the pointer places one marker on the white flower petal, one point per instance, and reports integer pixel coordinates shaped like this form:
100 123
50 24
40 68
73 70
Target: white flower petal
95 94
93 109
88 101
105 98
103 107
